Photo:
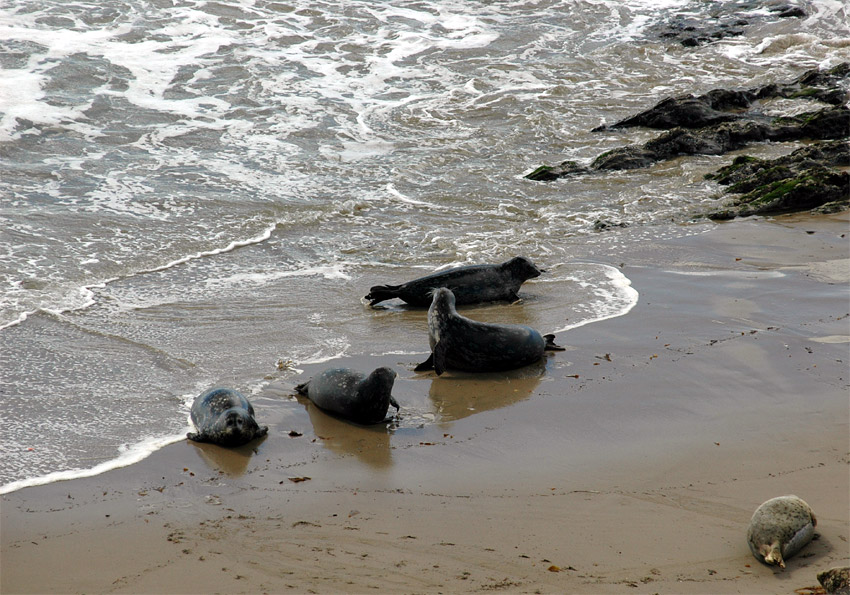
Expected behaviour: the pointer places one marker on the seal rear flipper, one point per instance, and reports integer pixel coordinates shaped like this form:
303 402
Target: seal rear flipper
550 344
301 389
379 293
428 364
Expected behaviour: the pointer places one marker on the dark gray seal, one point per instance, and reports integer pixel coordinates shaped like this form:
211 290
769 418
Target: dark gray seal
780 528
224 417
472 284
458 343
351 394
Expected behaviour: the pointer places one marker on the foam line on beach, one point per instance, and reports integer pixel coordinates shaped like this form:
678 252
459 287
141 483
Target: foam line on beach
617 300
88 291
129 455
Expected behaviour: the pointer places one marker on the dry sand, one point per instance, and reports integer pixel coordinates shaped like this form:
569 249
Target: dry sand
632 465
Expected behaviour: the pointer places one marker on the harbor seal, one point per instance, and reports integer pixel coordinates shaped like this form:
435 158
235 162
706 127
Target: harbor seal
225 417
780 528
351 394
471 284
458 343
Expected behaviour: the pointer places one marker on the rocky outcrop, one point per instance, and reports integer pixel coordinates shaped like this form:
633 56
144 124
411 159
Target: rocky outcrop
807 179
727 19
828 123
723 105
721 121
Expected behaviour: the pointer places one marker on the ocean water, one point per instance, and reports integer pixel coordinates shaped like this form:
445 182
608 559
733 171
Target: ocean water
192 191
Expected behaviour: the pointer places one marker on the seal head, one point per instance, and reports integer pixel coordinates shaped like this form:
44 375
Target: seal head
351 394
459 343
225 417
779 528
471 284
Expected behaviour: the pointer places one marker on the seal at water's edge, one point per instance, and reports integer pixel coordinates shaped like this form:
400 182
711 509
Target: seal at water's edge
780 528
471 284
225 417
351 394
458 343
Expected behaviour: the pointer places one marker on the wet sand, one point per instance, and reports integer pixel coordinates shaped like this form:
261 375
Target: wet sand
631 463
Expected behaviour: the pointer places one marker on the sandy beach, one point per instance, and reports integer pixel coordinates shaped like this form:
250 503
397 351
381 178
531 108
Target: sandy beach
630 464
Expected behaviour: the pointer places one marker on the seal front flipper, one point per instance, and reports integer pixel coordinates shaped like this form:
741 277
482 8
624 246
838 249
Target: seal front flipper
391 417
550 344
428 364
196 437
439 354
380 293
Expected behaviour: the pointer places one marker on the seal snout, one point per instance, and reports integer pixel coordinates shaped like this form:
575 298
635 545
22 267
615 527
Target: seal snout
524 268
235 421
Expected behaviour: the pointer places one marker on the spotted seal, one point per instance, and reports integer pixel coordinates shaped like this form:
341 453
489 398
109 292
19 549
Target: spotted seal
351 394
225 417
471 284
780 528
458 343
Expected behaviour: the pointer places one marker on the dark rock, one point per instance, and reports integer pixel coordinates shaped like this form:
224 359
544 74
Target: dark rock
718 121
804 180
547 173
723 105
631 157
825 124
828 123
744 172
722 20
835 580
688 111
828 86
788 11
605 224
692 32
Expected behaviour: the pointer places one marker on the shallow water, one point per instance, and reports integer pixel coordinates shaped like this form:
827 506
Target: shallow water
192 192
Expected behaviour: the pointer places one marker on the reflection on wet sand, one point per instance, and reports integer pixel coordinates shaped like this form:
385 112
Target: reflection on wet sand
231 461
370 444
458 395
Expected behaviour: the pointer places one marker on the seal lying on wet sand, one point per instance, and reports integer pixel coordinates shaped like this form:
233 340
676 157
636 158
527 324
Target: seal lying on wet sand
780 528
458 343
224 417
471 284
351 394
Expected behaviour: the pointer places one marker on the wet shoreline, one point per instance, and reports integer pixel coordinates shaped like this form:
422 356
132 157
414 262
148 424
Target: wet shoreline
653 425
